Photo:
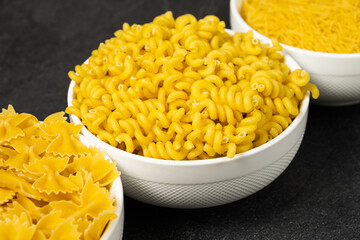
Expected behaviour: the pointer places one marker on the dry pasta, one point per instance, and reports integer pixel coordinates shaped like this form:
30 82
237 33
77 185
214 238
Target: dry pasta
318 25
185 89
51 185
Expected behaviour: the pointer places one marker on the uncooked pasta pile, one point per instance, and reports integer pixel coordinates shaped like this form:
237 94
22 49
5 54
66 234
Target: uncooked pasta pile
318 25
51 185
185 89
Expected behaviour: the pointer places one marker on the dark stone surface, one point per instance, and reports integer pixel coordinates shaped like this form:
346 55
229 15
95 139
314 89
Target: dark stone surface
317 197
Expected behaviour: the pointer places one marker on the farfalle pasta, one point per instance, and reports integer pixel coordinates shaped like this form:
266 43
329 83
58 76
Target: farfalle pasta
185 89
51 185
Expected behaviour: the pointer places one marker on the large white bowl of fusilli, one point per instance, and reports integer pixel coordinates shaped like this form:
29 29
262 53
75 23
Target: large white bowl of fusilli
329 52
194 115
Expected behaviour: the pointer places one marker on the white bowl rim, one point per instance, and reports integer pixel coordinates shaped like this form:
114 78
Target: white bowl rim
117 193
298 119
236 14
212 161
165 162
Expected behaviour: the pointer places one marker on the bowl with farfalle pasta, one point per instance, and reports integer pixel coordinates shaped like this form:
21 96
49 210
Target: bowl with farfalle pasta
54 184
322 36
193 114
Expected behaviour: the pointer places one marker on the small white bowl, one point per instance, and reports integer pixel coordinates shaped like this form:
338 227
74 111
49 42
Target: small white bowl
205 183
336 75
115 229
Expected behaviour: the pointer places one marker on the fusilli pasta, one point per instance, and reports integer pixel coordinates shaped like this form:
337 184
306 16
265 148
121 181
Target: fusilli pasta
186 89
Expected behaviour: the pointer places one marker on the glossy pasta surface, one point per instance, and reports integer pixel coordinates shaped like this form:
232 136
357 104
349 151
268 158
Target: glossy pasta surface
51 185
185 89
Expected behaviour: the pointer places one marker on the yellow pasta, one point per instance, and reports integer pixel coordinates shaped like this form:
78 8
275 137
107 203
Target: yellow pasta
185 89
318 25
51 185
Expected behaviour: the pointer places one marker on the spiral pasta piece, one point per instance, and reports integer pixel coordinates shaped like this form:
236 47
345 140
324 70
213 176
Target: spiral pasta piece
182 88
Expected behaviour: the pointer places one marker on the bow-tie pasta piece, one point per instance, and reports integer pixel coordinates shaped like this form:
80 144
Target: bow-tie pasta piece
48 179
96 227
6 195
94 200
12 124
63 137
10 180
28 206
25 150
17 228
92 166
66 230
46 225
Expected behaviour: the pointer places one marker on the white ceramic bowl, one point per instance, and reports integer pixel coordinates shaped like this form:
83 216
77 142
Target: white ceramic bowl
115 229
205 183
336 75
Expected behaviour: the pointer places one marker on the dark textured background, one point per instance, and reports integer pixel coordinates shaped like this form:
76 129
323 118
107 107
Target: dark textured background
317 197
